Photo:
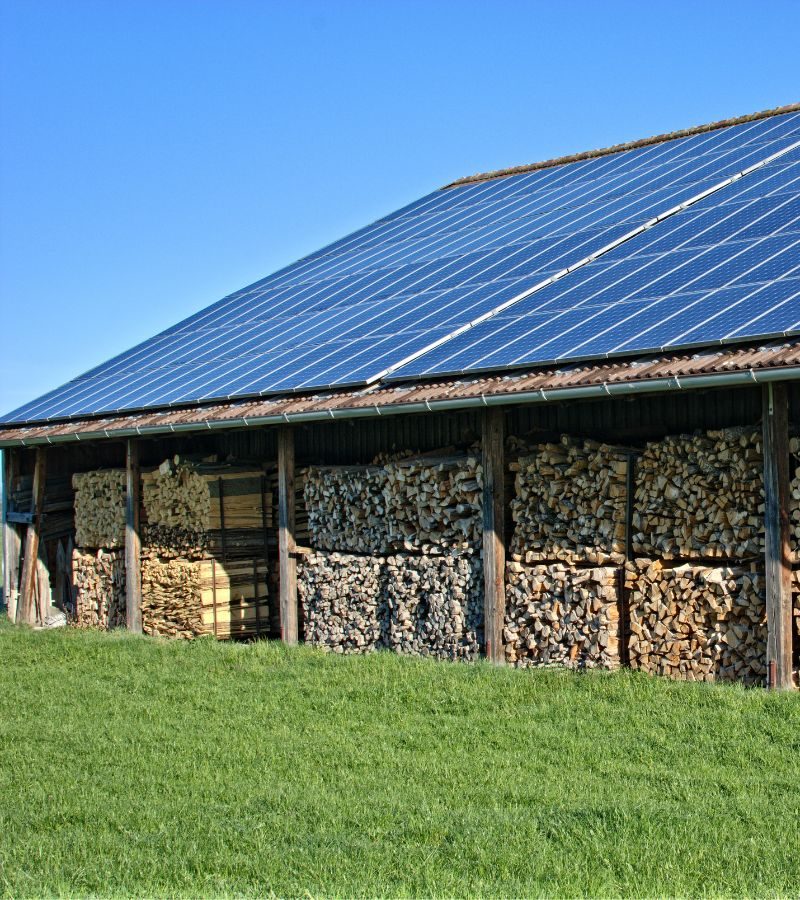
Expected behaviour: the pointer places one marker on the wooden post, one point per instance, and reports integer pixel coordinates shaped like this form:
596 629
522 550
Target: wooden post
494 545
286 544
777 558
133 557
26 609
11 540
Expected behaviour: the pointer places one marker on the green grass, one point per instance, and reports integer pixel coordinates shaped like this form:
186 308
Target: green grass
139 767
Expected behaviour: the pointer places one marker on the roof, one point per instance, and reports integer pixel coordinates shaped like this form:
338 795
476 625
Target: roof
774 361
690 239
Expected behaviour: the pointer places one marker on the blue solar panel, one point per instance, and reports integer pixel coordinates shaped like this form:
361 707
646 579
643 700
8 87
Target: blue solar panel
390 291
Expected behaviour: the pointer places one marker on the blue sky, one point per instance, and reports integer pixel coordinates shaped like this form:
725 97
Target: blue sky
155 156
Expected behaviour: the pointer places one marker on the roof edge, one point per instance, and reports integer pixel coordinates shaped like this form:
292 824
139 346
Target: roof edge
620 148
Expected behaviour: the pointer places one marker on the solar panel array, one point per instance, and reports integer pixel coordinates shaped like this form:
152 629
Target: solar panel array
722 268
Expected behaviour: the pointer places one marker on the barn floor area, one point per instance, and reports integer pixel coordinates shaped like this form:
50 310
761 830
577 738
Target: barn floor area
134 766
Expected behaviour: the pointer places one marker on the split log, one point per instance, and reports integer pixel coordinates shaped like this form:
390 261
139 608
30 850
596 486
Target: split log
435 504
698 623
344 601
701 495
346 508
100 508
171 598
99 580
435 605
556 615
569 503
177 496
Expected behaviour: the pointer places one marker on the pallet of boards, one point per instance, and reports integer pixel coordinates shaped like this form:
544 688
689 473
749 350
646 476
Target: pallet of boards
570 502
700 496
560 615
235 598
698 622
100 508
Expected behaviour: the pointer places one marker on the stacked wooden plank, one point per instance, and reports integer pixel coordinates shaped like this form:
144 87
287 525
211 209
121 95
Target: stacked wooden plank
569 503
99 580
558 615
346 508
696 622
343 600
435 605
700 496
171 601
99 508
58 508
235 598
435 504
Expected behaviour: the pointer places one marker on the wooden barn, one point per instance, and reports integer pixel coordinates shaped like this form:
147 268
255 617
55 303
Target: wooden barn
547 415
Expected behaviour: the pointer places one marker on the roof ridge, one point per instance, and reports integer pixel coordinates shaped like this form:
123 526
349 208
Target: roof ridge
619 148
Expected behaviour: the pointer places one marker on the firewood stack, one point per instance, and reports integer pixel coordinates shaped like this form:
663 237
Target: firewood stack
435 504
700 496
176 496
558 615
698 623
347 508
168 542
99 508
171 604
794 497
569 503
343 599
435 605
99 579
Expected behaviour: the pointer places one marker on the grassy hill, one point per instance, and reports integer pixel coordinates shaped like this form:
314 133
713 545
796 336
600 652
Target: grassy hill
139 767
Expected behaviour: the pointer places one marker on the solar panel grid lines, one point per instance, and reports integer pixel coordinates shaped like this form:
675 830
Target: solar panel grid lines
416 276
401 368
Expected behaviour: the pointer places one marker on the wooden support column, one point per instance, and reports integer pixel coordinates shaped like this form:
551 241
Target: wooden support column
494 545
286 542
26 608
133 556
776 527
11 539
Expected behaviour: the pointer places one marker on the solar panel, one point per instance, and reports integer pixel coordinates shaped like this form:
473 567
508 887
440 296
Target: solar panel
724 269
387 293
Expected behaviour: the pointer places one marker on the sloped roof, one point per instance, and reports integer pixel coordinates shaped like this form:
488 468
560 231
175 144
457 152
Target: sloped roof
689 239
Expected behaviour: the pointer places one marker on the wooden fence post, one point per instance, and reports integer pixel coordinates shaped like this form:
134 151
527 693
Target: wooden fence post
286 540
26 609
11 539
133 559
776 527
494 547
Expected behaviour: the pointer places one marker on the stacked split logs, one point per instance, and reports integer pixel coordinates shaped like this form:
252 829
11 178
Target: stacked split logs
435 605
99 579
171 602
569 503
698 623
425 598
347 508
344 601
700 496
176 496
99 508
559 615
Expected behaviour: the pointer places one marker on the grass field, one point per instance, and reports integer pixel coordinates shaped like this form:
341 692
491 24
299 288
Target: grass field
130 766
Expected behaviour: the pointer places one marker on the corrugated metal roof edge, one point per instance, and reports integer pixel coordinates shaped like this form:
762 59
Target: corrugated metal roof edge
620 148
772 361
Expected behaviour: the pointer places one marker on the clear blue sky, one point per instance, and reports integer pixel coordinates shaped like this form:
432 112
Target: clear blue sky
156 155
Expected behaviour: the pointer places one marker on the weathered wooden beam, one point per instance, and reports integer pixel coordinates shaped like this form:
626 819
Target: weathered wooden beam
494 546
776 526
133 547
286 540
11 539
26 608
